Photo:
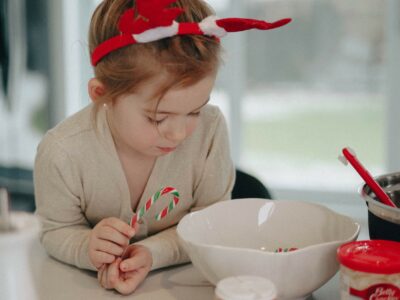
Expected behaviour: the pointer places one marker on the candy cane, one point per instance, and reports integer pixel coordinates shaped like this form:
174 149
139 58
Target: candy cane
163 213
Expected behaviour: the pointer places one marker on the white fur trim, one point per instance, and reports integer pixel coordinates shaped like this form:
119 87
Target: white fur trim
157 33
210 27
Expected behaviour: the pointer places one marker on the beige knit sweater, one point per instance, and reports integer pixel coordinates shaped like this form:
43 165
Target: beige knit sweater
79 181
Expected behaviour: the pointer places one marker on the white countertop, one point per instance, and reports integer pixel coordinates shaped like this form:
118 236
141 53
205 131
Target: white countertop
55 280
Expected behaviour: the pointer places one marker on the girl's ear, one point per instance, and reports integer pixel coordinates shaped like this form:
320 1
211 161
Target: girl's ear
96 89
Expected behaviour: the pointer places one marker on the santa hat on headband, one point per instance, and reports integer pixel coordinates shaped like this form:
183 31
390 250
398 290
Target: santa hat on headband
154 21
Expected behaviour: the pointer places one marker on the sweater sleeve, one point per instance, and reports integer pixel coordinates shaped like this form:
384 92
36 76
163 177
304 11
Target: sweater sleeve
60 206
165 248
215 184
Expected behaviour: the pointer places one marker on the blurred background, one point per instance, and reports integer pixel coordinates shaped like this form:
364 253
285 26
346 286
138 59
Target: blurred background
293 97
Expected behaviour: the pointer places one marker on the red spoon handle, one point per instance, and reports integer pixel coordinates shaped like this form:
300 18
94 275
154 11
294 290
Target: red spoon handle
369 180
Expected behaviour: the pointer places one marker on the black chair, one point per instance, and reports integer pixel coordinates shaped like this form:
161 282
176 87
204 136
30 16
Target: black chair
247 186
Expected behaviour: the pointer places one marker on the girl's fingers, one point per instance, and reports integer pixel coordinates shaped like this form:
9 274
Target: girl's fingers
109 275
120 226
109 247
103 258
104 278
101 275
111 234
132 264
139 257
113 274
132 281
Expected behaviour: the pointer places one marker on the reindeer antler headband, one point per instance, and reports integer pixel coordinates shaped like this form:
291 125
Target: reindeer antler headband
154 21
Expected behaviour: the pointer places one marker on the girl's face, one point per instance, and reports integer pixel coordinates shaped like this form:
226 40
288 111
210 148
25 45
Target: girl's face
140 128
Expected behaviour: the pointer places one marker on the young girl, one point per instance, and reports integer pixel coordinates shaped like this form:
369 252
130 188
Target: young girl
149 126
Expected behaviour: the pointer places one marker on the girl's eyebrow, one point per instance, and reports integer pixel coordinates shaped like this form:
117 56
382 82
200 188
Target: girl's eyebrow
173 113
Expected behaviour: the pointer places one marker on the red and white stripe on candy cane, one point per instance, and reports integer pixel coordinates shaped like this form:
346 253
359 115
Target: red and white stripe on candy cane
149 203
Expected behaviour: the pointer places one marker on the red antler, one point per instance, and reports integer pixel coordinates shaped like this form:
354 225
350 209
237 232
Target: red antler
239 24
151 14
155 17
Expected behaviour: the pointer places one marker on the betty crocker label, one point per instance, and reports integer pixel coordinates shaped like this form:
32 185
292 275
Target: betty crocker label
384 291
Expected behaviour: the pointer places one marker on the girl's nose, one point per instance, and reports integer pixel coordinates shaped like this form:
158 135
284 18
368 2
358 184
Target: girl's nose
176 131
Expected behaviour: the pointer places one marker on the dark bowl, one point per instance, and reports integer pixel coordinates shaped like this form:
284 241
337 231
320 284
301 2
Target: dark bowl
383 220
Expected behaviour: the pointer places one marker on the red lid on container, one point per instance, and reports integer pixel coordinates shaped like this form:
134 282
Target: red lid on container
372 256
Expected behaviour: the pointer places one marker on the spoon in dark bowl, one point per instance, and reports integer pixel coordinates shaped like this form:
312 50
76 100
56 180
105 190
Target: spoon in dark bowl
350 156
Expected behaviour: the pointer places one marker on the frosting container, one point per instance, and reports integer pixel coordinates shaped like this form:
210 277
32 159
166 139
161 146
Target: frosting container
370 270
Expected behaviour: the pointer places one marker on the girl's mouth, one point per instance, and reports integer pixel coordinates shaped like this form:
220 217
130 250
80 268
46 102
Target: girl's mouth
166 149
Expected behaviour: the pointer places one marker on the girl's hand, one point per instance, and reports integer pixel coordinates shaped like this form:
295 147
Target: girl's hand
125 274
108 239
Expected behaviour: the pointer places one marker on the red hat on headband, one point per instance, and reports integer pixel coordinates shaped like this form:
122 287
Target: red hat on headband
154 21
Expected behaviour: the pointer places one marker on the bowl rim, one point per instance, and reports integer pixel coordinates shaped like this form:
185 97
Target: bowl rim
230 248
367 198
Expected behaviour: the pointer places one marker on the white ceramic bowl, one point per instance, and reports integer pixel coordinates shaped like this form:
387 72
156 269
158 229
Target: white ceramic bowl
239 237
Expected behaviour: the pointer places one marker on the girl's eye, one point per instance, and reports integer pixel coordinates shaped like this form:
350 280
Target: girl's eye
157 122
194 114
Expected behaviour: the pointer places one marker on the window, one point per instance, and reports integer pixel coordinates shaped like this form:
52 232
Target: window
303 92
